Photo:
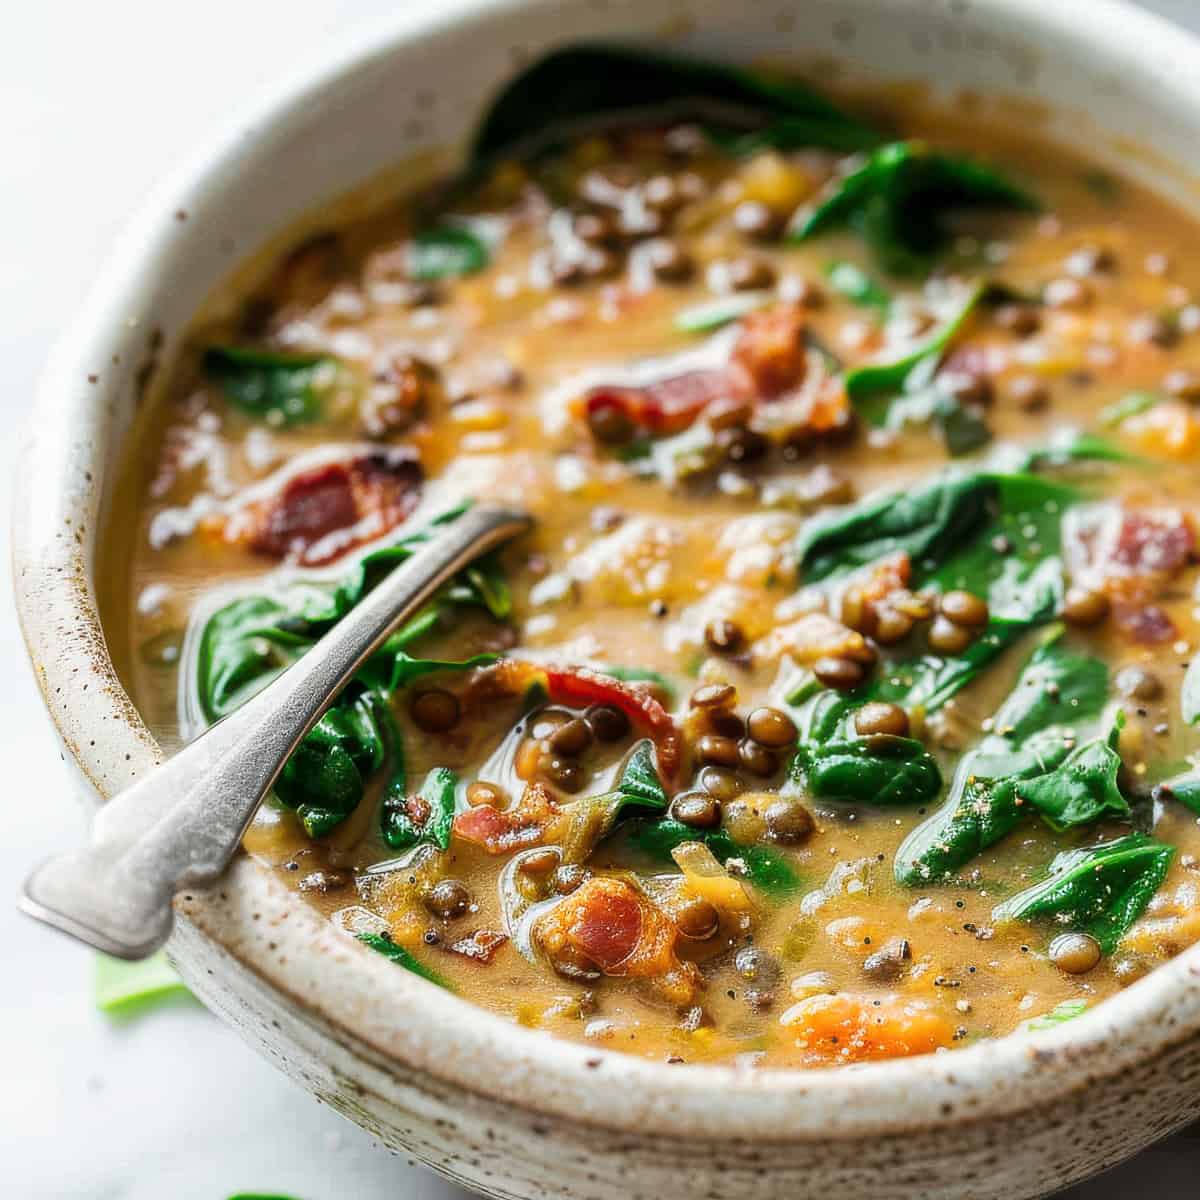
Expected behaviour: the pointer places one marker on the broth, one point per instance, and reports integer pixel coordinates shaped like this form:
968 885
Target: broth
711 539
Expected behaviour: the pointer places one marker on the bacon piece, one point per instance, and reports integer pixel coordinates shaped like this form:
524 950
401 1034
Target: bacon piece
500 831
846 1027
320 514
1133 555
579 687
609 923
480 946
669 405
771 352
1146 624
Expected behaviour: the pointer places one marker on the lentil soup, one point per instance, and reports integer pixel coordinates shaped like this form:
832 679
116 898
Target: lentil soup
838 708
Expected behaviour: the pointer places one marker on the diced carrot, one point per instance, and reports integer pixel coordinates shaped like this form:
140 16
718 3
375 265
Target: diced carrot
849 1027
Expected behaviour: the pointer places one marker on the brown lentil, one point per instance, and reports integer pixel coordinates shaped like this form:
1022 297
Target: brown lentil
448 898
965 608
881 717
697 810
435 711
771 727
945 637
839 673
1075 953
1084 607
608 723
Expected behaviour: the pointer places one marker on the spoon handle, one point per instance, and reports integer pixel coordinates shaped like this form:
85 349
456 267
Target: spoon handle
180 825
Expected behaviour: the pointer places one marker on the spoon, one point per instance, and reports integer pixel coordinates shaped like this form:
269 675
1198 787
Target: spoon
180 826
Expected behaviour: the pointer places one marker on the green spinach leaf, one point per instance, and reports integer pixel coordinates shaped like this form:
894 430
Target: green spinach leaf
856 285
1100 890
898 197
384 945
445 252
1130 405
597 84
879 770
428 817
280 388
1063 1011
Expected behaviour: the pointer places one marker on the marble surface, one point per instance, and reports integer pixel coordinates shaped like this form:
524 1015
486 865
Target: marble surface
99 101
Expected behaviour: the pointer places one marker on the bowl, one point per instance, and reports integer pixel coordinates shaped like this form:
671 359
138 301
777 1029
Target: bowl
505 1110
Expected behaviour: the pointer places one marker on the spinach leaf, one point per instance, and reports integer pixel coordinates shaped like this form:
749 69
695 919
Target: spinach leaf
1100 890
1130 405
1184 788
990 793
382 944
880 770
283 389
928 521
326 775
1083 788
889 378
433 807
857 286
897 199
770 872
1063 1011
591 820
250 641
1189 694
446 251
597 84
713 314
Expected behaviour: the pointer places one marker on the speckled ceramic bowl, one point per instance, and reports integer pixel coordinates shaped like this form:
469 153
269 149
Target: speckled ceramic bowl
505 1110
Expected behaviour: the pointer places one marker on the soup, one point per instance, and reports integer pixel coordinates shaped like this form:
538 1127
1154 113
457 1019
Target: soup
838 707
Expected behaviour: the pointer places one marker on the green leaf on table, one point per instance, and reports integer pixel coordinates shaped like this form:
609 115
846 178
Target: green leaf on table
446 252
1099 890
427 817
898 197
277 387
125 988
1063 1011
766 869
850 280
595 84
1130 405
382 944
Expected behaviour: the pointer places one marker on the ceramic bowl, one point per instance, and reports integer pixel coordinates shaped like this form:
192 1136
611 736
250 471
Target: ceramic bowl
505 1110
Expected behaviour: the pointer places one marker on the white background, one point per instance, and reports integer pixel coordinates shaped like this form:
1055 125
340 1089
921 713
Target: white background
99 100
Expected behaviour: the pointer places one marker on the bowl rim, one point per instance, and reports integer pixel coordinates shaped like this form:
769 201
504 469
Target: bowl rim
394 1016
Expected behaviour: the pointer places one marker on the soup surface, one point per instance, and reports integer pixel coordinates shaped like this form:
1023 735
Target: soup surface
838 706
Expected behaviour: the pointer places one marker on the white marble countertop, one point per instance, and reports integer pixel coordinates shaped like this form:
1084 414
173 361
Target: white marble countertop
99 101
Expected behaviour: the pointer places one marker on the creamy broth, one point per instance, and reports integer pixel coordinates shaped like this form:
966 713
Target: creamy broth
677 543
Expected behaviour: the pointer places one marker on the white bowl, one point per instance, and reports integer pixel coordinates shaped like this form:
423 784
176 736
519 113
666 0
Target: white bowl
503 1109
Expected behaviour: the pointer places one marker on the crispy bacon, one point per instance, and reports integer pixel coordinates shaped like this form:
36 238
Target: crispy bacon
610 924
500 831
768 359
770 351
670 405
319 514
480 946
1133 555
1146 624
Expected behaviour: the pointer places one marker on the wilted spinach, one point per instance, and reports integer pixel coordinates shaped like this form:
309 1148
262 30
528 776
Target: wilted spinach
428 817
1100 890
446 251
595 85
879 770
898 198
281 388
251 640
857 286
396 953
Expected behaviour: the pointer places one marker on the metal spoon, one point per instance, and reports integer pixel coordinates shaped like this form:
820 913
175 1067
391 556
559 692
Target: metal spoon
181 825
